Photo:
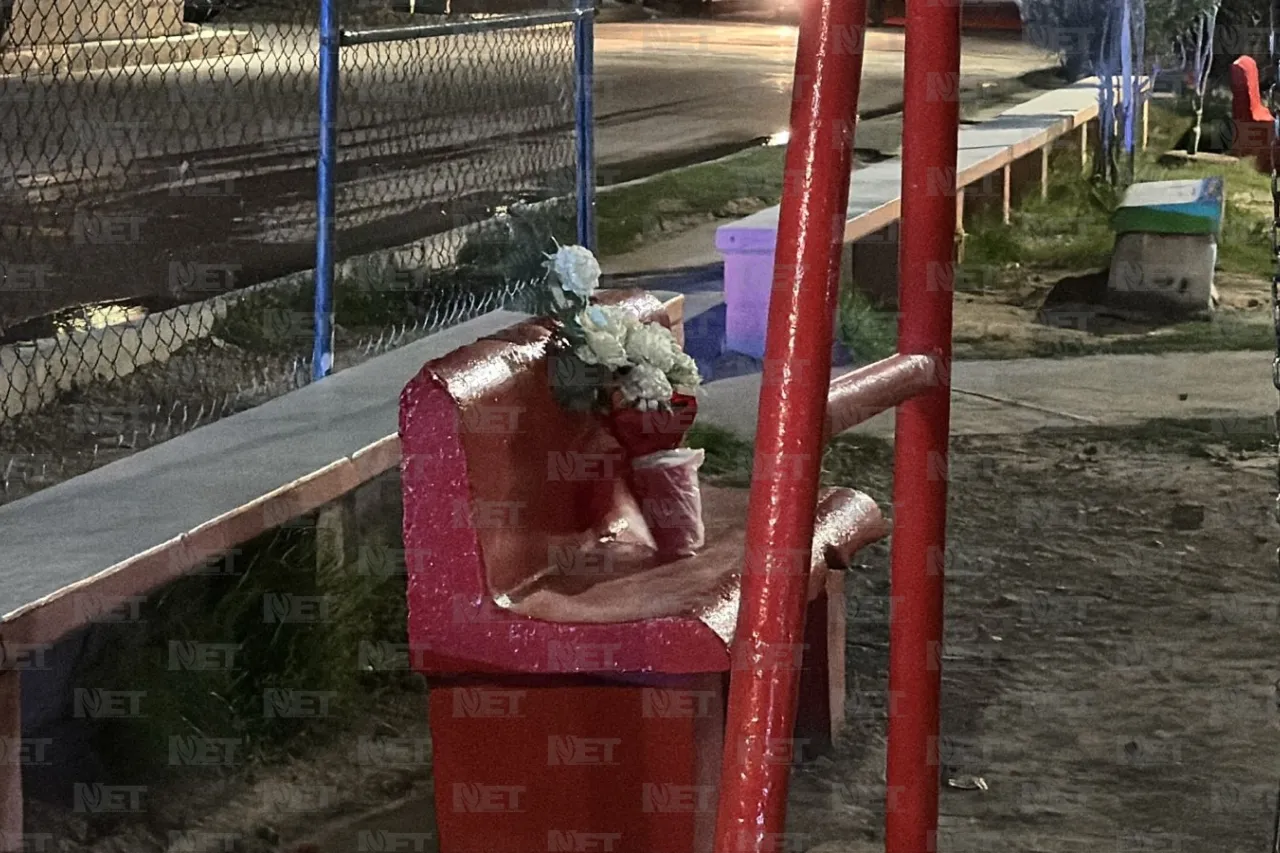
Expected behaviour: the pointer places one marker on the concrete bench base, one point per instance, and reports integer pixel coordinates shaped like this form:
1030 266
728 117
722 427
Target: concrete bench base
870 264
1165 274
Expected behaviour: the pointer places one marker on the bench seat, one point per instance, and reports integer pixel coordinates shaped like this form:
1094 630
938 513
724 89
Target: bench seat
705 585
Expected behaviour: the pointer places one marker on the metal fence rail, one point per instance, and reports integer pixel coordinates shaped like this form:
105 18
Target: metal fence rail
144 206
515 150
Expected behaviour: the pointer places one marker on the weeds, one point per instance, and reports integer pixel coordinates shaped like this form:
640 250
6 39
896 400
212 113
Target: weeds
1070 229
870 333
853 460
374 293
261 649
1197 437
629 213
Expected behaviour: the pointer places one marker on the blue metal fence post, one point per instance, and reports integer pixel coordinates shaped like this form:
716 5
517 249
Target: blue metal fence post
1129 81
584 120
327 161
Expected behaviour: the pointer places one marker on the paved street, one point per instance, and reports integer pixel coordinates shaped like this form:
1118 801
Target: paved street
153 183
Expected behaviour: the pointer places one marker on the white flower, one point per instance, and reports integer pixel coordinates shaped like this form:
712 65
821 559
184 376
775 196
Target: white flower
652 344
684 371
577 270
645 387
605 329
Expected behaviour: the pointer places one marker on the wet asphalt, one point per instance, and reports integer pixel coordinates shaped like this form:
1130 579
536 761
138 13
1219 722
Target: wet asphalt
171 183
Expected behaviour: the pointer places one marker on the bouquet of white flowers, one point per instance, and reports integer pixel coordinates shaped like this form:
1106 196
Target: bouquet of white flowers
608 358
636 376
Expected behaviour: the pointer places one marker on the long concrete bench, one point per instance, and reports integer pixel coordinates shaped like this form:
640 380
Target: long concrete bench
998 162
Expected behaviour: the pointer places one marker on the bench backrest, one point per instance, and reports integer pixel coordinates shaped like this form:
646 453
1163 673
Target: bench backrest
502 461
1246 96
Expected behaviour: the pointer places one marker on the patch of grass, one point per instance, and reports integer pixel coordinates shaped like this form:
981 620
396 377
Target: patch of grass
870 333
1070 230
853 459
863 462
627 214
1169 124
1221 333
1198 437
992 97
274 321
264 650
375 293
728 455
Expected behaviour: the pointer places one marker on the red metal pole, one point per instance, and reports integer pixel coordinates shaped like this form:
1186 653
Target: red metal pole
930 125
764 686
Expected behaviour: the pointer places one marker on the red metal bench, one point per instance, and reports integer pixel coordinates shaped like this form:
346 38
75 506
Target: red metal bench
577 690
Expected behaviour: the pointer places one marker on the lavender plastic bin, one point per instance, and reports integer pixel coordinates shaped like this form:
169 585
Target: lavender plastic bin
748 247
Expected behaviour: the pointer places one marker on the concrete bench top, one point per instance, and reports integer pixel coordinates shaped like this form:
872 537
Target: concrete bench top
875 193
150 517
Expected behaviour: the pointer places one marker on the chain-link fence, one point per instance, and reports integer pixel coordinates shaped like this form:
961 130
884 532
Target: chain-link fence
158 206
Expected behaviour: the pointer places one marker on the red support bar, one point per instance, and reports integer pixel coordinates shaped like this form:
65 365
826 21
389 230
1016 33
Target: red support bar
764 684
930 126
861 394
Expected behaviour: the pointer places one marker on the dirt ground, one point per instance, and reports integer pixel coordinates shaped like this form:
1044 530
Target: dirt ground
1109 675
1036 314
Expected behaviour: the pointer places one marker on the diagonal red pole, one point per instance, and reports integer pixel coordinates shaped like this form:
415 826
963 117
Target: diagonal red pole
929 137
764 686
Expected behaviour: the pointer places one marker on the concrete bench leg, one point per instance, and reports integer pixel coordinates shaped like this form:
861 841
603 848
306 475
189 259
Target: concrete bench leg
1088 138
367 516
336 534
873 265
748 282
11 839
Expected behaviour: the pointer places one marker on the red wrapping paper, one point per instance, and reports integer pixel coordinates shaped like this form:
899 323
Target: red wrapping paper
641 433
